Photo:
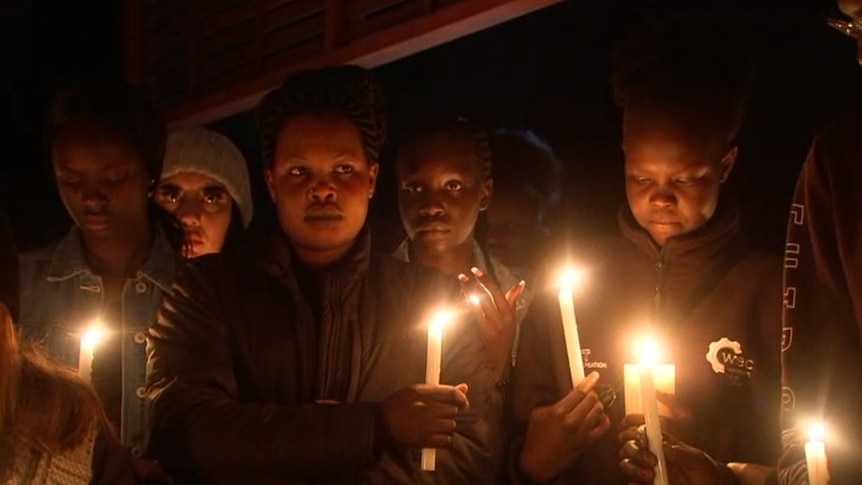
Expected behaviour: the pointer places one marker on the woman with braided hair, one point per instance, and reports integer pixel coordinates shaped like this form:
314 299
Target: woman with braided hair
300 360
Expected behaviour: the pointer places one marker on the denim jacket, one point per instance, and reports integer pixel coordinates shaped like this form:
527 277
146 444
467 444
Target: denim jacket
61 296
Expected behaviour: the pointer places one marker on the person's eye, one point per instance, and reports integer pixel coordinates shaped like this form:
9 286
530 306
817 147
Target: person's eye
412 189
453 185
169 194
214 196
686 180
115 176
297 171
344 169
69 179
640 180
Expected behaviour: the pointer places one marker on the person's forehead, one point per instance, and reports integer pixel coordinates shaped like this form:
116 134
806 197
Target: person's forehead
192 181
439 151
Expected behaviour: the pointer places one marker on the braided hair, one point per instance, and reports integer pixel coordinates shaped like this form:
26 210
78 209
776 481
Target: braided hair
476 137
687 64
347 89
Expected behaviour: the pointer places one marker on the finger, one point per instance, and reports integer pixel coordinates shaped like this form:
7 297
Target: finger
514 293
443 426
593 415
577 416
490 287
631 421
576 395
628 434
601 428
439 440
439 410
443 394
629 450
635 473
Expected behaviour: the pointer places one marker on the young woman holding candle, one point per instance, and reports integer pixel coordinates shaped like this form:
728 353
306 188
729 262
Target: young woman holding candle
52 427
105 143
302 359
680 264
444 183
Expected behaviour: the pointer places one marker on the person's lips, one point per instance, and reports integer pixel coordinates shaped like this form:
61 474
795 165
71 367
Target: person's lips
96 220
323 214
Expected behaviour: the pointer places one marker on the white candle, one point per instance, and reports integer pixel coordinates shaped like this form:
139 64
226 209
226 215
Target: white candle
570 328
664 380
646 371
87 347
815 457
432 373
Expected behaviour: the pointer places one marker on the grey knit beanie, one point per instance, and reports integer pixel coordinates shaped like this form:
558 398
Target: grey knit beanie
203 151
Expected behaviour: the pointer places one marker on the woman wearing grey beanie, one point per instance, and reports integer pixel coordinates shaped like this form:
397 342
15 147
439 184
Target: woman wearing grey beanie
205 185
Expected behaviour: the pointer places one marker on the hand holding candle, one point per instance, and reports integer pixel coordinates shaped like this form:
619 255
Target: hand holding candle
646 376
815 456
432 372
570 325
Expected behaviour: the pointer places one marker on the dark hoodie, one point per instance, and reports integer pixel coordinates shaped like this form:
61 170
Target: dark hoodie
715 303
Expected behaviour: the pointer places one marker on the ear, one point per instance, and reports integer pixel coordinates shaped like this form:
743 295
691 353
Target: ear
486 193
727 163
267 176
373 170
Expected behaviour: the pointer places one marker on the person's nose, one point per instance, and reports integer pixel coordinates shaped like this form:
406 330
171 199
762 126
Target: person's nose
189 213
430 204
93 196
322 190
662 196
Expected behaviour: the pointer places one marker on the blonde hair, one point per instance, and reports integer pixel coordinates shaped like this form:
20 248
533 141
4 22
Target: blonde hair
44 407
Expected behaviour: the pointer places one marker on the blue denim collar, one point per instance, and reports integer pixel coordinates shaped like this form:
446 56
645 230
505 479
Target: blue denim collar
69 260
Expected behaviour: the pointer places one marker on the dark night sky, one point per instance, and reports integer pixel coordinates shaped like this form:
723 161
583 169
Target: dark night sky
546 71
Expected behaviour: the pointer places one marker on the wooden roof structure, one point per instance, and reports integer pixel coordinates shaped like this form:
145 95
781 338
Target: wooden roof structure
204 60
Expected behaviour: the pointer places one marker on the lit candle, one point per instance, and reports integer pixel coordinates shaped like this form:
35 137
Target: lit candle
646 370
432 372
815 457
89 339
664 380
570 326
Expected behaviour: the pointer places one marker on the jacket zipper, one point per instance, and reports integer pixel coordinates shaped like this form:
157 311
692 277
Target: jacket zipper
659 281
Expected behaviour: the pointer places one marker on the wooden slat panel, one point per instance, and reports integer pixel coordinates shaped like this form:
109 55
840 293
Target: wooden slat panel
226 19
286 57
225 61
377 20
236 35
292 12
207 59
294 34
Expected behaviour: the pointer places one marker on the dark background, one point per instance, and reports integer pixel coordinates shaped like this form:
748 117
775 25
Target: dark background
546 71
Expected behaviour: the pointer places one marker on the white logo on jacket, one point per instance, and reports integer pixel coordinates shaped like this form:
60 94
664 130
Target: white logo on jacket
726 357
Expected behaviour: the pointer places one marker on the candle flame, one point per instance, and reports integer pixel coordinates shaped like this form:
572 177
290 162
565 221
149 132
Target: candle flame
93 335
474 299
648 351
816 431
441 319
571 278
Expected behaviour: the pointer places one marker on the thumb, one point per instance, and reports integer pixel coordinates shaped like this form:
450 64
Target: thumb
463 387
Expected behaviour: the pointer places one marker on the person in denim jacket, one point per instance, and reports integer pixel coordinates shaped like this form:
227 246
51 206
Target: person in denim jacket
106 143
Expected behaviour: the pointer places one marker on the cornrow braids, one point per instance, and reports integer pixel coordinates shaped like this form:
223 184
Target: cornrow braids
477 138
345 88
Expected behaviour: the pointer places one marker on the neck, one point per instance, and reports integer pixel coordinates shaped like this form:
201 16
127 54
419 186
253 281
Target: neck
119 255
453 261
315 259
